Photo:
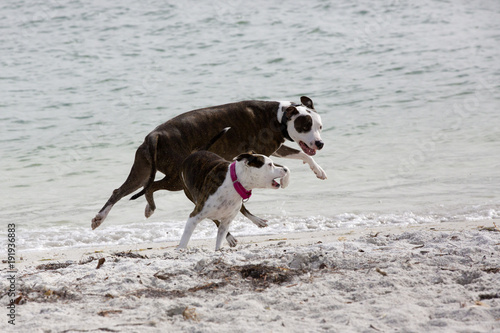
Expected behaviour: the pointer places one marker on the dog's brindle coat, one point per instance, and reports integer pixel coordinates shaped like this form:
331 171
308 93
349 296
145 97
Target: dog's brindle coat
208 184
259 126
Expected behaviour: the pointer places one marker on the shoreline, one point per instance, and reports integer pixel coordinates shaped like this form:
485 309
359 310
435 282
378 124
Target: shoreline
439 277
30 257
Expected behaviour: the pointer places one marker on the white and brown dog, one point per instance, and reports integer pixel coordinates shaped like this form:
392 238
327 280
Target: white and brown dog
218 188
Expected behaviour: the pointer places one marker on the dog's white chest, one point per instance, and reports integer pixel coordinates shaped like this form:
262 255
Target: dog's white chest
224 204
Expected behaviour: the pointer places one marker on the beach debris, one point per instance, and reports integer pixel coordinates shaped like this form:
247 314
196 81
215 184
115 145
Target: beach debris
263 276
488 296
163 276
260 276
157 293
479 303
42 294
86 260
100 263
190 314
106 313
495 228
381 272
209 286
130 254
53 266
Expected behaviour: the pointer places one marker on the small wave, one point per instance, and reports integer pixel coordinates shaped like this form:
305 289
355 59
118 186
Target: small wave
168 231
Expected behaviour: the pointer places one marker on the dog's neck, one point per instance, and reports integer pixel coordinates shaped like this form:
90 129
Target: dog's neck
242 191
283 119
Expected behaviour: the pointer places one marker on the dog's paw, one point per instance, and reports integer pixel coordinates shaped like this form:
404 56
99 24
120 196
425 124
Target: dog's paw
231 240
148 211
319 172
261 223
97 221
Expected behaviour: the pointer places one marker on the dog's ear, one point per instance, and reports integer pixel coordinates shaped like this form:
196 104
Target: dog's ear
291 111
243 156
307 102
251 160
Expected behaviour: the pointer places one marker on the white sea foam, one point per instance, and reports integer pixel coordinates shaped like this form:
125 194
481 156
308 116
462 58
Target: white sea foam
158 232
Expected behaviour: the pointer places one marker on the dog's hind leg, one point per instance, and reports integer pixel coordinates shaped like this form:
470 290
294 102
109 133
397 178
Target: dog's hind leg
261 223
229 238
170 183
138 177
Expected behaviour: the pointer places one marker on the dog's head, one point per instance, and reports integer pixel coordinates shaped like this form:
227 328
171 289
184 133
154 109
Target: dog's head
259 171
304 125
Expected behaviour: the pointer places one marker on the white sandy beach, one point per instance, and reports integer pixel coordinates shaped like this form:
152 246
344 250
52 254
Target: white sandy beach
420 278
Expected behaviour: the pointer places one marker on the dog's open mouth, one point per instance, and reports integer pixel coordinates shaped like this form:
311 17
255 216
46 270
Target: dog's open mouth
275 184
306 149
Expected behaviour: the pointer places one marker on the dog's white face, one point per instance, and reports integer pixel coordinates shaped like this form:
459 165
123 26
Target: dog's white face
259 171
304 126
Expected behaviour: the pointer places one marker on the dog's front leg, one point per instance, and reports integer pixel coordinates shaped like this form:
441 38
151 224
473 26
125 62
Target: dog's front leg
191 224
221 233
295 154
229 238
261 223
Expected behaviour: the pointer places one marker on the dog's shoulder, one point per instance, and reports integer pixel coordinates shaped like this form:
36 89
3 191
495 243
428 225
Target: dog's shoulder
203 165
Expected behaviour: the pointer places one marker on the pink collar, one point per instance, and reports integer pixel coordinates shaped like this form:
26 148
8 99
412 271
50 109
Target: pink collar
244 194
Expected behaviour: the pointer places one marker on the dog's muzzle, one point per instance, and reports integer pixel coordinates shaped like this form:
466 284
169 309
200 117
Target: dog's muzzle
285 180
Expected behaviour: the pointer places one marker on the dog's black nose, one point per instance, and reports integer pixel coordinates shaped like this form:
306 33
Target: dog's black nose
319 144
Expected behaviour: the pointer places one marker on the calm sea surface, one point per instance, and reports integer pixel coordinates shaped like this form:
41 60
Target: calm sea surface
409 93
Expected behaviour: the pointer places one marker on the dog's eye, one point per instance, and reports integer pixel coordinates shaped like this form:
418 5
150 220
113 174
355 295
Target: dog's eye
320 127
270 164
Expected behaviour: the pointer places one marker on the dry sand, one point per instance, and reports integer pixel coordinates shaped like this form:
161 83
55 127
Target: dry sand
419 278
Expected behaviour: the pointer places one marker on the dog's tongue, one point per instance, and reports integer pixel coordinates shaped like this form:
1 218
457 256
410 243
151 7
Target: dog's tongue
306 149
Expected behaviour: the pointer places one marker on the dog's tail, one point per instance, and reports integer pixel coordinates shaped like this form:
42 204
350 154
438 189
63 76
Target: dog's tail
152 145
214 139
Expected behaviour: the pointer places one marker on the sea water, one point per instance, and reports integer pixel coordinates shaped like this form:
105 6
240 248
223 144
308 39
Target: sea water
408 93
